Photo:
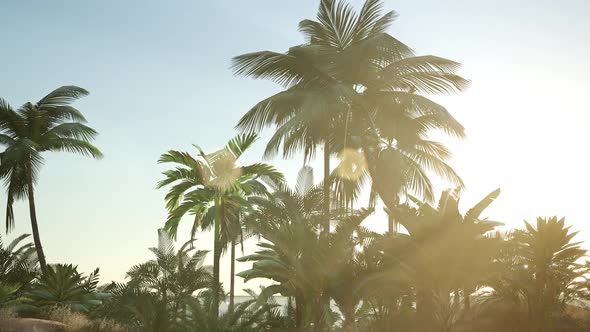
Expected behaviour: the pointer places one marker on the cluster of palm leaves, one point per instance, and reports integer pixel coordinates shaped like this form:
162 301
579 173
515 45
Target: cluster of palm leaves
356 90
18 267
362 97
63 285
158 290
27 291
540 273
174 292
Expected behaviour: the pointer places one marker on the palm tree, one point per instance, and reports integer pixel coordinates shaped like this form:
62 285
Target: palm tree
347 284
540 274
9 296
18 263
62 284
248 316
155 295
551 259
173 275
349 82
289 216
292 254
51 124
442 252
18 267
213 190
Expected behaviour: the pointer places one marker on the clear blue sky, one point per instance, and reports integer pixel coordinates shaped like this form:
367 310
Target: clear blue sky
158 76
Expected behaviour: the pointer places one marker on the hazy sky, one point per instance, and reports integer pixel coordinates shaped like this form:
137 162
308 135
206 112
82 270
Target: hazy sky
158 76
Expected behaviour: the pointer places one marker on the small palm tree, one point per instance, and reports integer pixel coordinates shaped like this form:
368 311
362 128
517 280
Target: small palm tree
213 190
443 251
138 309
18 264
292 254
539 275
247 316
288 219
18 267
9 296
172 275
50 125
552 260
63 285
154 298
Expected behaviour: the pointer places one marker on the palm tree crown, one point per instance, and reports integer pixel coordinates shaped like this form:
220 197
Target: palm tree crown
353 87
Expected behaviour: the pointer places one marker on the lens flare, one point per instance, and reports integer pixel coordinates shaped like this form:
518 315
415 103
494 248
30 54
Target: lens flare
352 164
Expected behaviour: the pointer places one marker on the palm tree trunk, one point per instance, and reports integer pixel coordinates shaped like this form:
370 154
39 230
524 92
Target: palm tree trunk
348 314
35 226
467 300
391 224
425 307
318 312
216 260
324 299
298 311
232 277
326 227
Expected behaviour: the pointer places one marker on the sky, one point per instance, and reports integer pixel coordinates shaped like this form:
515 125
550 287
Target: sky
158 75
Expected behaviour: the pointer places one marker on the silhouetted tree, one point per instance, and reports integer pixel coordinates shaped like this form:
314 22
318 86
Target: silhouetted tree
50 125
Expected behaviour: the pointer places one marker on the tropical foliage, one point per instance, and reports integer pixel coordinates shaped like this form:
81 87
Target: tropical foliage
364 97
50 125
63 285
213 189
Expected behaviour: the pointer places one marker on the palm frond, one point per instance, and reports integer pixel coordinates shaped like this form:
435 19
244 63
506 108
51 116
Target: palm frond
73 145
62 96
474 213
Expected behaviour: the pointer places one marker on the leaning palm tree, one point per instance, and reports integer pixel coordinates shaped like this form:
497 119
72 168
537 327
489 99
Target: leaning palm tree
213 189
50 125
350 82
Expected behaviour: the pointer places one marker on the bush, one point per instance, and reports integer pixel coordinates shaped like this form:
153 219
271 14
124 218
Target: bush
78 322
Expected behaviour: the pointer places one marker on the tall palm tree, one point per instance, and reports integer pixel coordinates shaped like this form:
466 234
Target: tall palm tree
349 82
50 125
213 190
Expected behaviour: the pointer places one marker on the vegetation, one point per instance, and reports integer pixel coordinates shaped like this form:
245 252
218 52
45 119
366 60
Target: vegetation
51 124
362 96
213 189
